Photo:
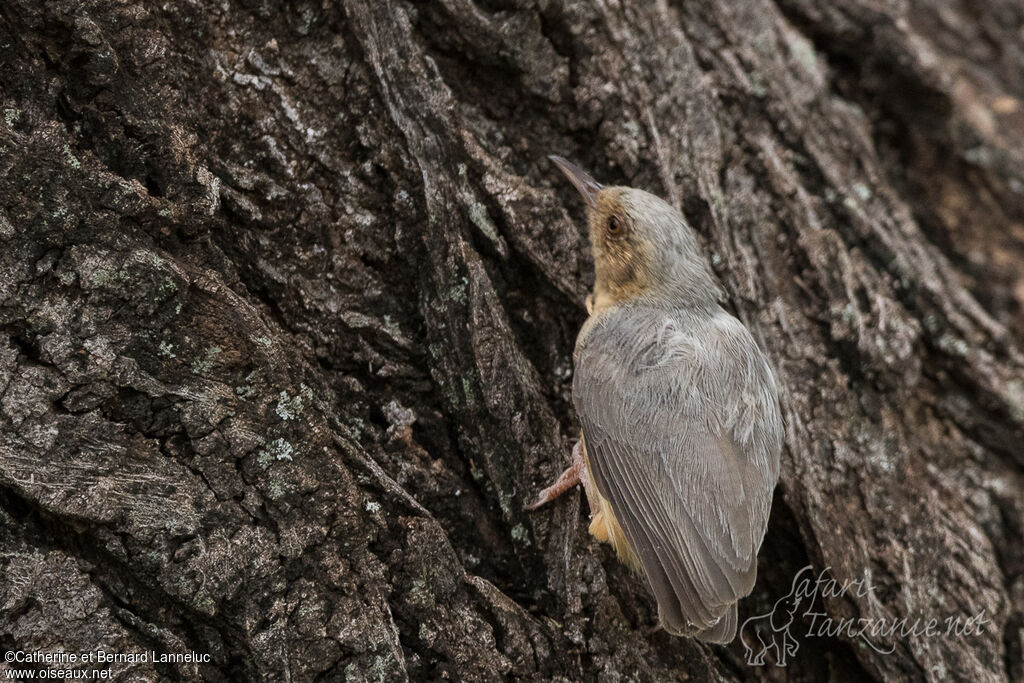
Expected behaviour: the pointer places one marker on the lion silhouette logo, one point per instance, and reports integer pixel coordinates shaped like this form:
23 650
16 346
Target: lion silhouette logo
768 633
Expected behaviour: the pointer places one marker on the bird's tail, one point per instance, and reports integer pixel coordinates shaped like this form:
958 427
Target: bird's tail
723 632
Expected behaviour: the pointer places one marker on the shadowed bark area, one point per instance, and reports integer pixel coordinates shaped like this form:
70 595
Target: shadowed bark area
289 291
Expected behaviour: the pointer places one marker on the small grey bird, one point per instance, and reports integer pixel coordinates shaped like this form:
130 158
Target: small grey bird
681 425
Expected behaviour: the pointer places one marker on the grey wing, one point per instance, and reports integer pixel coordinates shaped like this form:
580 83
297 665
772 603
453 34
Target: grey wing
683 435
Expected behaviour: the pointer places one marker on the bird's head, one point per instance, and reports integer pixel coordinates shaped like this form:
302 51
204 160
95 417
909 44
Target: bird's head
643 247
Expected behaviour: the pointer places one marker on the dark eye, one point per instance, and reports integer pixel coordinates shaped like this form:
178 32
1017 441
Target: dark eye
614 226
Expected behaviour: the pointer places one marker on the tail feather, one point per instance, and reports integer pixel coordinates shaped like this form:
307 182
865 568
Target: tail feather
724 631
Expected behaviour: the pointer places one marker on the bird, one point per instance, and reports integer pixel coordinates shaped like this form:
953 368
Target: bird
681 430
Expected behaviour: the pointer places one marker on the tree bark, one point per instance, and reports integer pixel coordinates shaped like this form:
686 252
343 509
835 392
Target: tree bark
288 297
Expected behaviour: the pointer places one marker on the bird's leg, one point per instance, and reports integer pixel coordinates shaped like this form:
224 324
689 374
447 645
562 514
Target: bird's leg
569 478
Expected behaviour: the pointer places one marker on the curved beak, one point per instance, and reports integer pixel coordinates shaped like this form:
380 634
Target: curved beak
587 186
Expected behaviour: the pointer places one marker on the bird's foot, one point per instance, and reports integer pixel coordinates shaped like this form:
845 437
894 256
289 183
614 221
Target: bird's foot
569 478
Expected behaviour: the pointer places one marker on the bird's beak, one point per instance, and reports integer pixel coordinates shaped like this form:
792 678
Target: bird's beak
587 186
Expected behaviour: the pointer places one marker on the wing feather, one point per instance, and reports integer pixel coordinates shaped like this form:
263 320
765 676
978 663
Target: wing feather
682 431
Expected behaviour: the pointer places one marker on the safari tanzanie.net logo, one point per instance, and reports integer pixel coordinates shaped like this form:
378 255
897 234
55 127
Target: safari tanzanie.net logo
772 636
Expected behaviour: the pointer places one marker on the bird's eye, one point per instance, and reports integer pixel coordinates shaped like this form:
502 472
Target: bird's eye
614 226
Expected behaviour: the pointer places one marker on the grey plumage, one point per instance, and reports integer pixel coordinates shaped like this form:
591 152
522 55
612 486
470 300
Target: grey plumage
680 421
679 408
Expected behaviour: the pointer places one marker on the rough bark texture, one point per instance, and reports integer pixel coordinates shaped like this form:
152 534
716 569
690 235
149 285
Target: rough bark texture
288 295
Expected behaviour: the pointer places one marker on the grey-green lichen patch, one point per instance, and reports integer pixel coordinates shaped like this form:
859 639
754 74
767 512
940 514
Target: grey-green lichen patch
952 345
439 305
862 191
203 365
71 158
279 449
275 490
167 287
204 603
420 593
167 349
357 426
426 634
264 460
467 391
248 390
288 407
95 268
519 533
458 292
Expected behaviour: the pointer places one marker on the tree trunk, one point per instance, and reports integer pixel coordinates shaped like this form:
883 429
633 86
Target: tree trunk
288 298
